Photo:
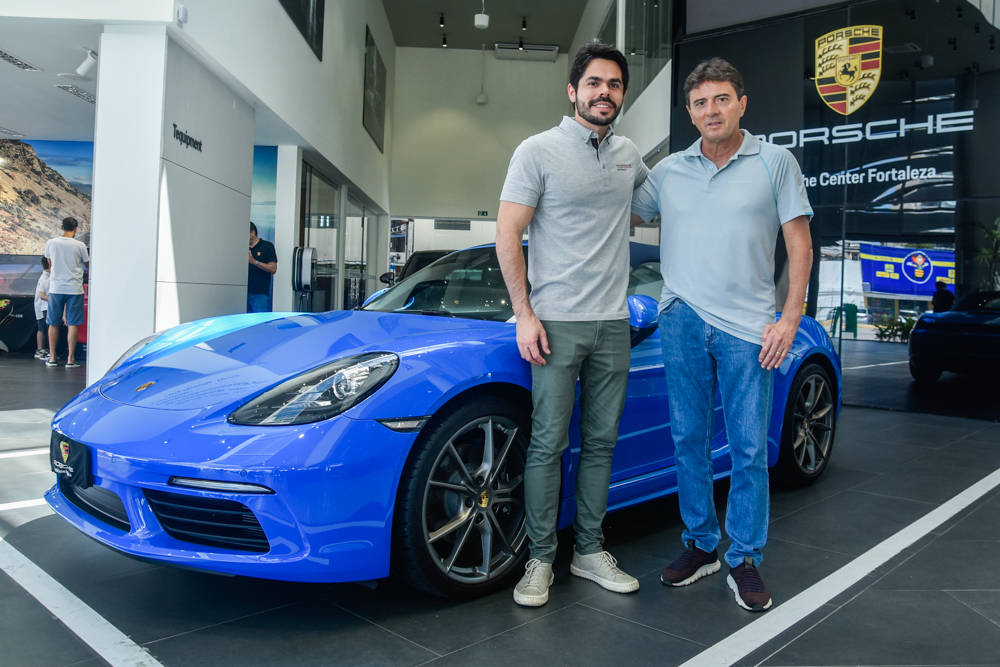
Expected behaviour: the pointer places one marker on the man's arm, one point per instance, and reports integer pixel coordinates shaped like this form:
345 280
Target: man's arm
512 220
778 337
636 220
270 267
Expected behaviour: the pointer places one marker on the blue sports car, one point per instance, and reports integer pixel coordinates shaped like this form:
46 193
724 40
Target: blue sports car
341 446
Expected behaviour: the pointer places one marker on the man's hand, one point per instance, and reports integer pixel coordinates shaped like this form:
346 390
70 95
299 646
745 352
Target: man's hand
250 255
531 340
777 341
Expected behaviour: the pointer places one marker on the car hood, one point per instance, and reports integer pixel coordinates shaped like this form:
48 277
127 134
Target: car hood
961 319
228 369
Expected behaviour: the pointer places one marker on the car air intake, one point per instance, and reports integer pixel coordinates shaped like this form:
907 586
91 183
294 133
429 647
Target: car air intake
209 521
99 503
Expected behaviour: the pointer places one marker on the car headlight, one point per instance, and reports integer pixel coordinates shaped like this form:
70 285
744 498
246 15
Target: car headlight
135 348
319 394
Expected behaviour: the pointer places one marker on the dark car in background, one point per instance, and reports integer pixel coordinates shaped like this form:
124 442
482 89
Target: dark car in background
414 263
965 339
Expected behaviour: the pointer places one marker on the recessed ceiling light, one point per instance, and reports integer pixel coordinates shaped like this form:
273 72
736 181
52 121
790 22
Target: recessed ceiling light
442 20
82 94
12 133
444 41
524 23
17 62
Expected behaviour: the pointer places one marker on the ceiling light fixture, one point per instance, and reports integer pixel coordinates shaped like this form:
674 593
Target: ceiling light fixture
524 23
444 41
442 20
482 21
82 94
520 45
81 72
12 133
17 62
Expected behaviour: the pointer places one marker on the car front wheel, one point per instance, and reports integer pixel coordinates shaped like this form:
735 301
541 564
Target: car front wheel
807 434
459 528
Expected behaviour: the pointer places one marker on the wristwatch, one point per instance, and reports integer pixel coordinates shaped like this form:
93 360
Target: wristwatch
256 263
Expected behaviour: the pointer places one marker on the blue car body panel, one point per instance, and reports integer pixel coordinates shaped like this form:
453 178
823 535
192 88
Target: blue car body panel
335 482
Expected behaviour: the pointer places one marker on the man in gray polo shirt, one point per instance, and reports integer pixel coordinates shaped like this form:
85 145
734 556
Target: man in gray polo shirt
571 187
722 203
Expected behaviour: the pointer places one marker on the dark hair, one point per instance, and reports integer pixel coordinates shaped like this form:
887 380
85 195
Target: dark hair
45 263
253 228
69 224
941 284
599 50
713 69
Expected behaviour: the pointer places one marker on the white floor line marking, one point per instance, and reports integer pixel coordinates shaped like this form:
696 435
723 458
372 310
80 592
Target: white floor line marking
105 639
22 504
889 363
24 452
751 637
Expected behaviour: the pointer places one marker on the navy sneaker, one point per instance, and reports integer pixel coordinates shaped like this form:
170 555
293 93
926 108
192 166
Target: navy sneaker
751 591
691 566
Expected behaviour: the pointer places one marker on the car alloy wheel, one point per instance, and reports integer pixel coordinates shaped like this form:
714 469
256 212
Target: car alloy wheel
808 431
462 519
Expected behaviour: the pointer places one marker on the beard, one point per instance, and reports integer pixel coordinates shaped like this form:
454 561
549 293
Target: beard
584 111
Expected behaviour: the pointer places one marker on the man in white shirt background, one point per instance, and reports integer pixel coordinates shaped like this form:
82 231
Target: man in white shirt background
41 311
68 258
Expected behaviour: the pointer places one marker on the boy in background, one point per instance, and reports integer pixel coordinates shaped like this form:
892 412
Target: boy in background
41 309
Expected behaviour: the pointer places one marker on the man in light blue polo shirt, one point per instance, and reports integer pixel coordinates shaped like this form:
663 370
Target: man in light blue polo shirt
571 187
722 203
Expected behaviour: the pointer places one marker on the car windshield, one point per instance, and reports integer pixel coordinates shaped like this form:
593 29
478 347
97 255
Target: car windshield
979 301
463 284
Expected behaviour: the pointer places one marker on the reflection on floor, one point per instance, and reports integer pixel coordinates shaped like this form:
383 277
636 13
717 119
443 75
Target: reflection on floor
877 375
937 603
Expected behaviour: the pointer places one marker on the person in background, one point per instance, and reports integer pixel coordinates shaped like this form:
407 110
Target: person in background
263 265
41 310
67 259
943 299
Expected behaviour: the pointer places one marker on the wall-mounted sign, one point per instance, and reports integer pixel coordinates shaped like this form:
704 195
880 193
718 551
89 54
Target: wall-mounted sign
849 66
483 214
905 271
186 139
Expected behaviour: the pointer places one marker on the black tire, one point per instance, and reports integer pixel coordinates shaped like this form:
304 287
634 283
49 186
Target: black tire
924 374
453 503
810 425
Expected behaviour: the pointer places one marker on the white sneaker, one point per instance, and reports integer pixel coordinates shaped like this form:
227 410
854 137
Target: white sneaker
533 589
602 568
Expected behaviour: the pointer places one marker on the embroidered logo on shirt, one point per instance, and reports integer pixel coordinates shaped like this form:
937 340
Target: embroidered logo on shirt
623 167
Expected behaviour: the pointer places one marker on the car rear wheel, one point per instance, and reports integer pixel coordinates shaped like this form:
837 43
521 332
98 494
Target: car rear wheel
459 525
810 422
924 373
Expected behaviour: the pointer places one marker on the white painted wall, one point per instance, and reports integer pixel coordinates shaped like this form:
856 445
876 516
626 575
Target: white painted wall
257 44
647 121
133 11
425 237
288 200
450 155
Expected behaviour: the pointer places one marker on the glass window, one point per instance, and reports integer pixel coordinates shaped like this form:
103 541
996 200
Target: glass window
645 279
320 210
648 42
609 31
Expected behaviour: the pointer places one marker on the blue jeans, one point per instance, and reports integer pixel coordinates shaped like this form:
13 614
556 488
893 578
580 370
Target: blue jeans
697 358
258 303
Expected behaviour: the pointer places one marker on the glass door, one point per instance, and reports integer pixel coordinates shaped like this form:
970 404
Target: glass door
320 228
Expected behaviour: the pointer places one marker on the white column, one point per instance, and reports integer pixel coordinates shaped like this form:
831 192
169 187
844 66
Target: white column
127 135
287 212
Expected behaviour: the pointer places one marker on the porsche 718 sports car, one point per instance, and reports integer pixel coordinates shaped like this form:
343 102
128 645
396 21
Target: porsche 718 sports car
965 339
339 446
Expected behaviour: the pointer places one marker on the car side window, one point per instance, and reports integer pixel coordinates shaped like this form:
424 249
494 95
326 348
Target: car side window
646 279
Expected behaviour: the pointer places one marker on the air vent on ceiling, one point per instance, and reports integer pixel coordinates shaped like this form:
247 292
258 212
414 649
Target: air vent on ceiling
909 47
4 130
82 94
17 62
543 52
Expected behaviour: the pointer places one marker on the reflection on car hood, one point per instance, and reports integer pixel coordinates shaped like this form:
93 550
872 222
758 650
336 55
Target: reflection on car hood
236 365
962 319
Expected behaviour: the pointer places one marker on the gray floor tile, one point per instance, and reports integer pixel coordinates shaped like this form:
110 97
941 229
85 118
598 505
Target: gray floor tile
835 480
912 432
31 636
926 480
897 628
850 522
762 654
577 635
874 455
990 435
983 523
307 634
971 453
25 486
954 565
986 603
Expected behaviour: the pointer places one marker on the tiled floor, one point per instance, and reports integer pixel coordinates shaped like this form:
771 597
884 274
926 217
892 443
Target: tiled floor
938 602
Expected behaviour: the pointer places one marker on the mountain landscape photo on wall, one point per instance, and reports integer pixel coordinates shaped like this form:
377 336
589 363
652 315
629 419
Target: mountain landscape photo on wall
42 182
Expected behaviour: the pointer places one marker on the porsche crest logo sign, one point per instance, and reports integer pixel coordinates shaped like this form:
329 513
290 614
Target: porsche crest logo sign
849 66
64 450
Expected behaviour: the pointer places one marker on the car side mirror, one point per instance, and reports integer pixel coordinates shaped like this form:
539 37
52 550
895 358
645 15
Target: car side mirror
387 278
642 311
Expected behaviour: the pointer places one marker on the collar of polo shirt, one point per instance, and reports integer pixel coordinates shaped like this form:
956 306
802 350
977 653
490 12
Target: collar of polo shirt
584 133
750 146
